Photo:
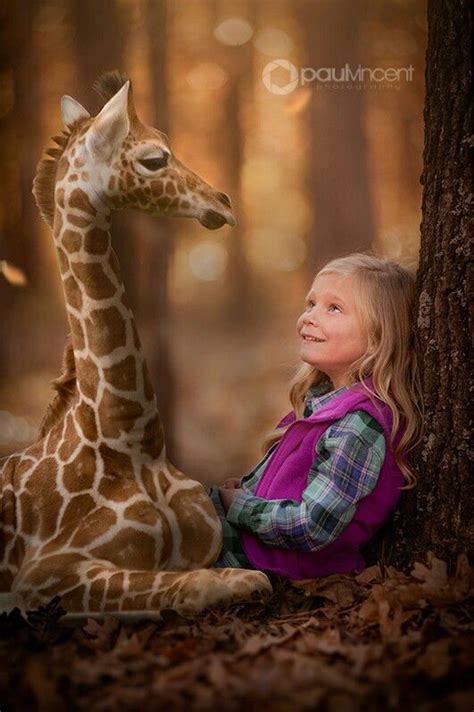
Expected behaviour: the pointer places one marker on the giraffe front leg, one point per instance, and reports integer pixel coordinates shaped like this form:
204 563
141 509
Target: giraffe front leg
98 587
187 592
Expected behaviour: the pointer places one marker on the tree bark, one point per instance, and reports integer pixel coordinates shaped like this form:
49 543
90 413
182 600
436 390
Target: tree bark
438 516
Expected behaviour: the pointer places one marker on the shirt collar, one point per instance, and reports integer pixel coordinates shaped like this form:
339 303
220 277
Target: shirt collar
319 395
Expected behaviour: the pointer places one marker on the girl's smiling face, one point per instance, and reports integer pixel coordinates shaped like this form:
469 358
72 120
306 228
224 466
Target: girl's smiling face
331 334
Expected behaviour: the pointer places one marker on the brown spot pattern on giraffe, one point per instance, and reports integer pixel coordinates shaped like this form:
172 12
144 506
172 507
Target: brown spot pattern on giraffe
163 482
114 265
96 594
130 549
79 474
58 222
136 338
41 495
153 437
96 242
94 526
116 462
94 280
54 438
115 585
17 554
157 187
72 600
78 220
148 480
88 377
105 330
77 333
117 414
144 512
86 418
135 603
122 375
73 293
71 241
63 260
71 438
62 169
194 528
54 566
149 392
115 489
78 508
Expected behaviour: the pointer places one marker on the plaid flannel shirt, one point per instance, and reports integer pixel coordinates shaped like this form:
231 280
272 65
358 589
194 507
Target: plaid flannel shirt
351 455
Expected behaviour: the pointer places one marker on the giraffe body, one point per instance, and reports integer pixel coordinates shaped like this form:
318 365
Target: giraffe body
94 511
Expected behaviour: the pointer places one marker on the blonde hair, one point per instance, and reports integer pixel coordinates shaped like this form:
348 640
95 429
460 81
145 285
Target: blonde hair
385 295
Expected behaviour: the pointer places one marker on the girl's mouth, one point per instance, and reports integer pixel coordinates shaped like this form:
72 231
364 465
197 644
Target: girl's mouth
313 338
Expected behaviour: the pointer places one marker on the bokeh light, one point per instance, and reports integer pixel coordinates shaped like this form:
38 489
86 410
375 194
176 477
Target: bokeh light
274 42
234 32
207 76
14 429
207 261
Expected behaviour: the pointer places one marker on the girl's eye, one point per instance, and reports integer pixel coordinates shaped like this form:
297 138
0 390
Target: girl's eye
154 164
310 305
334 305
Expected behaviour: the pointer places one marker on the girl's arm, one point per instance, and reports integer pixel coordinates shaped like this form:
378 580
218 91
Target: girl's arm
351 455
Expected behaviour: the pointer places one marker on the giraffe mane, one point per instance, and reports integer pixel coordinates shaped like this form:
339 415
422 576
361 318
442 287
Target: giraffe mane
107 85
45 177
65 387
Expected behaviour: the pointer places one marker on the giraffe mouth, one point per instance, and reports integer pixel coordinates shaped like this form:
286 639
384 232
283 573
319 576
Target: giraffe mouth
213 220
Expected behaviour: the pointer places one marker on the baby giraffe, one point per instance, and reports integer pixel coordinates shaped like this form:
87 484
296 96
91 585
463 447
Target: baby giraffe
93 511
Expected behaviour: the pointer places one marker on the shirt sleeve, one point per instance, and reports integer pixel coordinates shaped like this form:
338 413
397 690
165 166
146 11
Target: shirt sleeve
349 458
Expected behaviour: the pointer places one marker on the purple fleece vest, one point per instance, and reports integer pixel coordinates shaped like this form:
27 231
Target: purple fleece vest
286 477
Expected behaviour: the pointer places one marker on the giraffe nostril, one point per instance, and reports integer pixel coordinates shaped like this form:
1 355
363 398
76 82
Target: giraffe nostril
224 199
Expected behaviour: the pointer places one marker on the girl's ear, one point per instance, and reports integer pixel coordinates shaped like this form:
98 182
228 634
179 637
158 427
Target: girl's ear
111 126
72 111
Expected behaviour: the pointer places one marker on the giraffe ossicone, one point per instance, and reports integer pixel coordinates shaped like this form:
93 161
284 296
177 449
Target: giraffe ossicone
94 511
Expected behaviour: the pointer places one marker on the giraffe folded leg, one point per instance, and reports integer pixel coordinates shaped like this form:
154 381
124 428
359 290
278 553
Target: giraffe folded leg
98 587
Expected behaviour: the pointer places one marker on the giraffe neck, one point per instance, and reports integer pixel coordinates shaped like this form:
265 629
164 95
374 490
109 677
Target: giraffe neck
116 398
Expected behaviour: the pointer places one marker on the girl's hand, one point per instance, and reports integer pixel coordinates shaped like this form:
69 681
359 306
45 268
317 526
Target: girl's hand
231 483
227 496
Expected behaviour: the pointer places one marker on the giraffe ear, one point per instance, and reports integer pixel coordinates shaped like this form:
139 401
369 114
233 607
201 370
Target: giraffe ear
110 126
72 111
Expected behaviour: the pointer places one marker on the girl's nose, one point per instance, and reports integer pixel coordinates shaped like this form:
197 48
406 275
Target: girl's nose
309 317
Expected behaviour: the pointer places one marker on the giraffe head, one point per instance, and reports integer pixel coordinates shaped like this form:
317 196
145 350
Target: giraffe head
128 164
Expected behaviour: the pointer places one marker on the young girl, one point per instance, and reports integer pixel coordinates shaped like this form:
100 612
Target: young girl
336 464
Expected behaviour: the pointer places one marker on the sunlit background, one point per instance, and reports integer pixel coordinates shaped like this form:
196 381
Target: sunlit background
326 169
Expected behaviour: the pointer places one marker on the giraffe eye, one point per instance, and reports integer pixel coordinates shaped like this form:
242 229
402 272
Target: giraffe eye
154 164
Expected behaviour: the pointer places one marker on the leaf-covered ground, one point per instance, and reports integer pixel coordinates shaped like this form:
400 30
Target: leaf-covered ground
378 641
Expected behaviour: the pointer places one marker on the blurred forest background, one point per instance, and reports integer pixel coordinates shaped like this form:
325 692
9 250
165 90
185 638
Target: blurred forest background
327 169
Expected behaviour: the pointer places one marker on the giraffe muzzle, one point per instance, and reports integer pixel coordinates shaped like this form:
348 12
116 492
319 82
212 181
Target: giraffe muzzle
212 220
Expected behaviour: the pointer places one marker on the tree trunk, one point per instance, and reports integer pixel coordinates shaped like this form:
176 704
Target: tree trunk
437 516
19 141
155 290
338 167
